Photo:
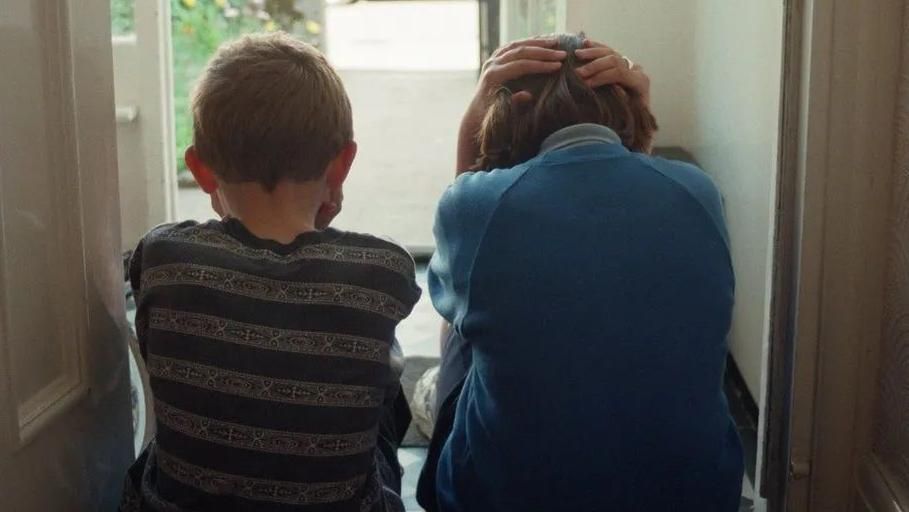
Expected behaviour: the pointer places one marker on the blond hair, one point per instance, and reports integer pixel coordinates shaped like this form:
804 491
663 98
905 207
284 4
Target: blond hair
269 108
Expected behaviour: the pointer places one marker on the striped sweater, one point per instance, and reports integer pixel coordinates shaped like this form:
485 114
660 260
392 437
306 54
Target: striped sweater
270 365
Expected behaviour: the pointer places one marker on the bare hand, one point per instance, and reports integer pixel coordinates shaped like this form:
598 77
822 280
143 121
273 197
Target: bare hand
608 66
531 56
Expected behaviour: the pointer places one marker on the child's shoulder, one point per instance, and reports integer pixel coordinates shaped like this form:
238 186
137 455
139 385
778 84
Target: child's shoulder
182 229
216 239
375 249
381 254
366 240
167 239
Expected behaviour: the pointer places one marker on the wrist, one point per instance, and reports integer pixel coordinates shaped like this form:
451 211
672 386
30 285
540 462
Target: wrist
483 95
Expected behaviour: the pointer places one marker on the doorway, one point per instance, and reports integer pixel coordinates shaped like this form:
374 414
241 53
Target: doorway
64 414
398 57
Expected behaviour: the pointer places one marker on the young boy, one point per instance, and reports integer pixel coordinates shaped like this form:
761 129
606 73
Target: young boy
269 337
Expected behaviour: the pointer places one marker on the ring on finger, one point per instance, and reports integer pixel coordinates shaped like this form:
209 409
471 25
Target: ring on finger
629 62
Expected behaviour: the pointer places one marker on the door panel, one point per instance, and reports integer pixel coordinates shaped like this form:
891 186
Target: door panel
64 409
885 472
847 426
43 349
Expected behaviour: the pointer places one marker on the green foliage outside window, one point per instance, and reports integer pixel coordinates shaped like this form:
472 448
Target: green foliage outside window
121 16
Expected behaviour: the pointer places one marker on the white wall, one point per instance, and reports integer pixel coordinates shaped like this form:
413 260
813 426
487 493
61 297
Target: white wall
715 70
659 35
738 63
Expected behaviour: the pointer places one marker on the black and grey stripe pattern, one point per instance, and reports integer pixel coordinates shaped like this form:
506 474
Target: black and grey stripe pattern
269 364
316 343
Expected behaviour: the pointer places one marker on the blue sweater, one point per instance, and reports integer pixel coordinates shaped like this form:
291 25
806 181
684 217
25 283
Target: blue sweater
595 288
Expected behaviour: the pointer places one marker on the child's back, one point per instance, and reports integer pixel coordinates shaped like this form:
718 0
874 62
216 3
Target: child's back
268 337
269 363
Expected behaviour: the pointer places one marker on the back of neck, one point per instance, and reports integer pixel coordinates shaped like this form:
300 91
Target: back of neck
280 215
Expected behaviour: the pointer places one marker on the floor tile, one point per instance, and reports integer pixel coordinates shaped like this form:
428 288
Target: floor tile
412 461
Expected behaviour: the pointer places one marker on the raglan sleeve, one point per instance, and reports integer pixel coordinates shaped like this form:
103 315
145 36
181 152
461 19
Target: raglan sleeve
461 219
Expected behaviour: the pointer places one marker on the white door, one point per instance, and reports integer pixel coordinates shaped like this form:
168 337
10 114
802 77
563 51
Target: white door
145 134
65 434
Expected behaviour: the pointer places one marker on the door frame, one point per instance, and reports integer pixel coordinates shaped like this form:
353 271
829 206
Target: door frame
145 120
490 26
840 79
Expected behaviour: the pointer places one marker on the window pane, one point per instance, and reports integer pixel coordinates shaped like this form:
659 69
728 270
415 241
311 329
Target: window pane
526 18
122 17
410 69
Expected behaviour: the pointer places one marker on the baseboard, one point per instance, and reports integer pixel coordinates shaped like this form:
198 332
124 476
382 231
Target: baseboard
734 376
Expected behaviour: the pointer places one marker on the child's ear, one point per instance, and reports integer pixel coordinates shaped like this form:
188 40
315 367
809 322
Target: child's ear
201 172
340 166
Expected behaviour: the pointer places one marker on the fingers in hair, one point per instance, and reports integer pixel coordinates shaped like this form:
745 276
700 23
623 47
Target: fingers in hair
595 53
542 42
602 64
532 53
590 43
608 77
519 68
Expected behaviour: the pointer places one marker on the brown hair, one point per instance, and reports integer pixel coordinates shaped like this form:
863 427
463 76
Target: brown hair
269 108
513 133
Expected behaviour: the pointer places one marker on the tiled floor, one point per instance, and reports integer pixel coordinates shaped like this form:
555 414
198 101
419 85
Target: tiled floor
412 461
